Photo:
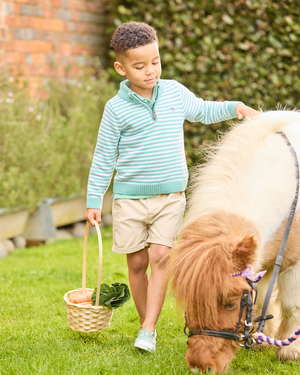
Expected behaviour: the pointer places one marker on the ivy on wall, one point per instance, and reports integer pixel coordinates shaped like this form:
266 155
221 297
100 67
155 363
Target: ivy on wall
244 50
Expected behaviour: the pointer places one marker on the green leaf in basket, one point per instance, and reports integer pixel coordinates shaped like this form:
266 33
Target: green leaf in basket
112 296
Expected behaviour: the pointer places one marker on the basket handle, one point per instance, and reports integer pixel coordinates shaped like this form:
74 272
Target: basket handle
84 260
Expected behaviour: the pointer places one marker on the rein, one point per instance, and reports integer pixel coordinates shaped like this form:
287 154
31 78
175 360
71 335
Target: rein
263 317
247 338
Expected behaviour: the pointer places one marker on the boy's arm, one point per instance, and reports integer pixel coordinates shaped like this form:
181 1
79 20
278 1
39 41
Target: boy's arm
207 112
104 159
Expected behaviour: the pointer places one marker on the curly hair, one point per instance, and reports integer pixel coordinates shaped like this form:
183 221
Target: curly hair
132 35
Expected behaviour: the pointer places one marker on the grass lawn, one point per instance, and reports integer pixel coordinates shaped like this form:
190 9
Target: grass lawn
35 337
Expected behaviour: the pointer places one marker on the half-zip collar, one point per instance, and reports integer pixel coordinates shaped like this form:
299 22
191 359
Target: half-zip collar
130 96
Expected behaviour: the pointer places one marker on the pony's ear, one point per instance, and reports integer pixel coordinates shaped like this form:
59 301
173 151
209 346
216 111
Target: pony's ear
244 252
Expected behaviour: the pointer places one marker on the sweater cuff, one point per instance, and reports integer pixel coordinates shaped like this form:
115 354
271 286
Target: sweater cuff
231 108
94 203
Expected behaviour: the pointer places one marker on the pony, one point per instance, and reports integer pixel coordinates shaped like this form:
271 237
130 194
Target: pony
236 214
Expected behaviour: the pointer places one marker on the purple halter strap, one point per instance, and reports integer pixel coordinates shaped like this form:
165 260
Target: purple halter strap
248 273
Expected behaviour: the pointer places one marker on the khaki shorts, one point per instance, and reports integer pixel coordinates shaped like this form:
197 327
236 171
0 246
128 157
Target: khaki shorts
139 222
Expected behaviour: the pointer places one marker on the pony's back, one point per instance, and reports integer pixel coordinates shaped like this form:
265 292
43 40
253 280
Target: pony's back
251 173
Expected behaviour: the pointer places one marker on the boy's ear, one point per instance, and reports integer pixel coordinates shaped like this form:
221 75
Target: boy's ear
119 68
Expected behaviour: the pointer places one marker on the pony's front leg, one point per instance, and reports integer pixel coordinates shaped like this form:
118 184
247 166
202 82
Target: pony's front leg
289 299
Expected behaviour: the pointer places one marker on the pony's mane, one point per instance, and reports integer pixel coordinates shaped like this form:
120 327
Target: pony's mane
209 251
215 182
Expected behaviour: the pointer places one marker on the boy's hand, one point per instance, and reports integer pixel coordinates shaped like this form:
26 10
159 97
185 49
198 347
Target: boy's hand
92 214
242 110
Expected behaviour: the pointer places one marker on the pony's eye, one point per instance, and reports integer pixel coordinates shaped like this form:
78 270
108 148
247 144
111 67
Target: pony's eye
230 305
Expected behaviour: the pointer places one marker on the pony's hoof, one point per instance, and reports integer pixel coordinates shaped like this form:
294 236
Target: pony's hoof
288 353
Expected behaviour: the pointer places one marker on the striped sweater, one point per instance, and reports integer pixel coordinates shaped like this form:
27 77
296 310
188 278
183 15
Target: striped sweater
146 145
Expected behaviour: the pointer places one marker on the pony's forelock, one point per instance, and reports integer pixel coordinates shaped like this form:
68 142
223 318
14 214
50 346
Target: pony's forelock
202 264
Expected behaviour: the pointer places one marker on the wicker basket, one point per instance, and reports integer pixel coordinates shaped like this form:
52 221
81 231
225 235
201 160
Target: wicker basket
84 318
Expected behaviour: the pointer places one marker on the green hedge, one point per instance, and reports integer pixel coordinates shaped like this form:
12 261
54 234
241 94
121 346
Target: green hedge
244 50
46 146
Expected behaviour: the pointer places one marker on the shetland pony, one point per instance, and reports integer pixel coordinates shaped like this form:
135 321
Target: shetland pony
237 211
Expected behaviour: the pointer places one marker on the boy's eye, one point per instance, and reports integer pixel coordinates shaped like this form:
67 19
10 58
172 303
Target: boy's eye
143 67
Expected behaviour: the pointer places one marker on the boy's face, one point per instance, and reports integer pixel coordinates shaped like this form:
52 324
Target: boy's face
141 67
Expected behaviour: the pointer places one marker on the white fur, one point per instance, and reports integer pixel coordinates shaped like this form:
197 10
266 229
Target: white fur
288 290
289 299
251 173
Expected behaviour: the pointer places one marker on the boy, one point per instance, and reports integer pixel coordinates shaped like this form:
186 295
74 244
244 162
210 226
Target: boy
143 126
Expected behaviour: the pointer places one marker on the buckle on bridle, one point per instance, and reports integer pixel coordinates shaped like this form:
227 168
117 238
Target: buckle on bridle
248 343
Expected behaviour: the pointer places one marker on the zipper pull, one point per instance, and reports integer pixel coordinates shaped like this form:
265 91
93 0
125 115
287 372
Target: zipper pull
154 114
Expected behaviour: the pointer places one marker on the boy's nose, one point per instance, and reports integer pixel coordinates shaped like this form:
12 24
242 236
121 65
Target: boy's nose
150 70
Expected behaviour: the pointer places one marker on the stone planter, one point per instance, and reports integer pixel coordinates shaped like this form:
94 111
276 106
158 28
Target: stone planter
57 212
53 212
41 225
12 222
70 210
67 211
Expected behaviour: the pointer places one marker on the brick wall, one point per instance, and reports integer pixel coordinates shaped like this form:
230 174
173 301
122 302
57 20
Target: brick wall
43 37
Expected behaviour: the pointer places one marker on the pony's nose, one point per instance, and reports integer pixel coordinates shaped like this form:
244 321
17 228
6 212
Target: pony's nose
208 369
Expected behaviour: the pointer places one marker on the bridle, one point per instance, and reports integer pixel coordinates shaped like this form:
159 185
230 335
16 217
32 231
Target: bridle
245 339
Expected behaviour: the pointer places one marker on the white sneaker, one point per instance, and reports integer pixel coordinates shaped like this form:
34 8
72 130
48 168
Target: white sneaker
154 332
146 340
